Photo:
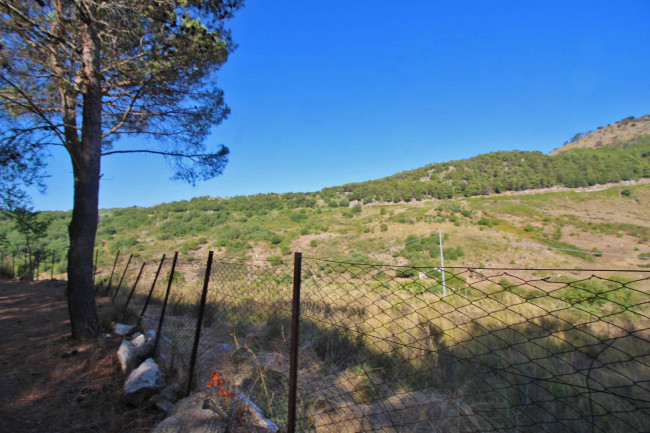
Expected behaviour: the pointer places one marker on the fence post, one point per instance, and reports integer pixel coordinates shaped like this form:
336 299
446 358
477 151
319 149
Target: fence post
52 269
110 280
133 288
162 313
13 264
128 262
442 264
146 302
199 321
37 259
295 322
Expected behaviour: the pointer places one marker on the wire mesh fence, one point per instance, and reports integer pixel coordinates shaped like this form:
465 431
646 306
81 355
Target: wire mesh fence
400 349
382 349
37 264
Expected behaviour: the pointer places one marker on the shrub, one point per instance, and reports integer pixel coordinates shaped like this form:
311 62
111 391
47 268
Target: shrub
405 273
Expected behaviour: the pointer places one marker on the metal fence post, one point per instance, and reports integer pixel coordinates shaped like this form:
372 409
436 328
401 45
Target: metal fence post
137 279
128 262
37 259
146 302
199 321
162 313
295 322
110 279
52 269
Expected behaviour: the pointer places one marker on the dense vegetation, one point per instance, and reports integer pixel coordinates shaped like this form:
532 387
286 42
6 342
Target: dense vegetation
329 223
507 171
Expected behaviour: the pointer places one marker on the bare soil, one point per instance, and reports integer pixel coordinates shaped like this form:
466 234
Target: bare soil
49 383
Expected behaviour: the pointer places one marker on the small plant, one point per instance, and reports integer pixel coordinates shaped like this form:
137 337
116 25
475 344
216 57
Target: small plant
216 381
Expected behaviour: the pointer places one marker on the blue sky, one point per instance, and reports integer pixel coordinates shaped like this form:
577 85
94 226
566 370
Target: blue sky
324 93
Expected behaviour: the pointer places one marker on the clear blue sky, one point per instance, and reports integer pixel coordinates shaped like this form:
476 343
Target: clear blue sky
328 92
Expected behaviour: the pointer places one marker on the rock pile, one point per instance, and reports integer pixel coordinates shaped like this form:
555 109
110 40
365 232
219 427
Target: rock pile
207 411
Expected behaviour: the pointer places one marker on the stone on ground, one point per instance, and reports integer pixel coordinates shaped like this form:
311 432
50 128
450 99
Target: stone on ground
143 382
121 329
192 421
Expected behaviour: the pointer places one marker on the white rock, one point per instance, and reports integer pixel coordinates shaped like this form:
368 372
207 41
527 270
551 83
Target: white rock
192 421
121 329
194 401
126 355
142 345
257 416
143 382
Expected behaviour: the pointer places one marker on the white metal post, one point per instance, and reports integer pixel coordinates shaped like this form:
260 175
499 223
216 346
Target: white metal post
442 264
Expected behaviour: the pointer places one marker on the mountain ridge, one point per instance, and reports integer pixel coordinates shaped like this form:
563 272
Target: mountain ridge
614 133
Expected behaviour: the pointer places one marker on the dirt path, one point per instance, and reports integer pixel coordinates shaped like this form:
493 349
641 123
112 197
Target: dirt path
48 383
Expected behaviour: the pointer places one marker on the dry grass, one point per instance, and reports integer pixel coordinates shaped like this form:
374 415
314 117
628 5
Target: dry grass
501 351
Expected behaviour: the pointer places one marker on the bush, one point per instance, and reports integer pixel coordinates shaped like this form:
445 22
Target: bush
405 273
484 222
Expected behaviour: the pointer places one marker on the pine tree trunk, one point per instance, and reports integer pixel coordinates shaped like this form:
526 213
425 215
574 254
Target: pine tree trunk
86 155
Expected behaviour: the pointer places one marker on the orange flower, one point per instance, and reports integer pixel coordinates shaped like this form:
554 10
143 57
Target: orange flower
225 392
215 380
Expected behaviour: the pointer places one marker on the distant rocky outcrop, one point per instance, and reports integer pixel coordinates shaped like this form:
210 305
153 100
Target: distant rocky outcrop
618 132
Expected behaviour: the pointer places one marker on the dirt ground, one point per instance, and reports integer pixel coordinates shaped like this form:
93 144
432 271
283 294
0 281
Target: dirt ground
47 382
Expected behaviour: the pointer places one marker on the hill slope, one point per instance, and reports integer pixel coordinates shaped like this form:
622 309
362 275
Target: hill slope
337 223
507 171
616 133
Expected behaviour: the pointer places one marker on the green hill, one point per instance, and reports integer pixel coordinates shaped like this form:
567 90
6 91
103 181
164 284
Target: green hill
391 220
499 172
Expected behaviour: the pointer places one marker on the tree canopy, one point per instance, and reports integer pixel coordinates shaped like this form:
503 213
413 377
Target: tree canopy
82 73
156 67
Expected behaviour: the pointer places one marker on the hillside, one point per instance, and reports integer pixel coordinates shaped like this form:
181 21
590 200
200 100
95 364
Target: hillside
615 133
496 231
392 220
498 172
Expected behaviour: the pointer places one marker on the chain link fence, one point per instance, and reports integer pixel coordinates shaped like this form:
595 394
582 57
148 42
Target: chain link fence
383 349
401 349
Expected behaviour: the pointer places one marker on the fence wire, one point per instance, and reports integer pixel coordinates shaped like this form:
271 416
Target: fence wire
382 349
246 333
400 349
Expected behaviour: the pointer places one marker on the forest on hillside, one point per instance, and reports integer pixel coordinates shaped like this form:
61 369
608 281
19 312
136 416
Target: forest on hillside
498 172
277 220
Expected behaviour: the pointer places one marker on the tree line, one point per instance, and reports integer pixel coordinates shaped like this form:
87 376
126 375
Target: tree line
503 171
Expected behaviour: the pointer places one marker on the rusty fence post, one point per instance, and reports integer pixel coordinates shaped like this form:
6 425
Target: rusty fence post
293 357
162 313
137 279
34 264
110 279
199 321
128 262
52 269
146 302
